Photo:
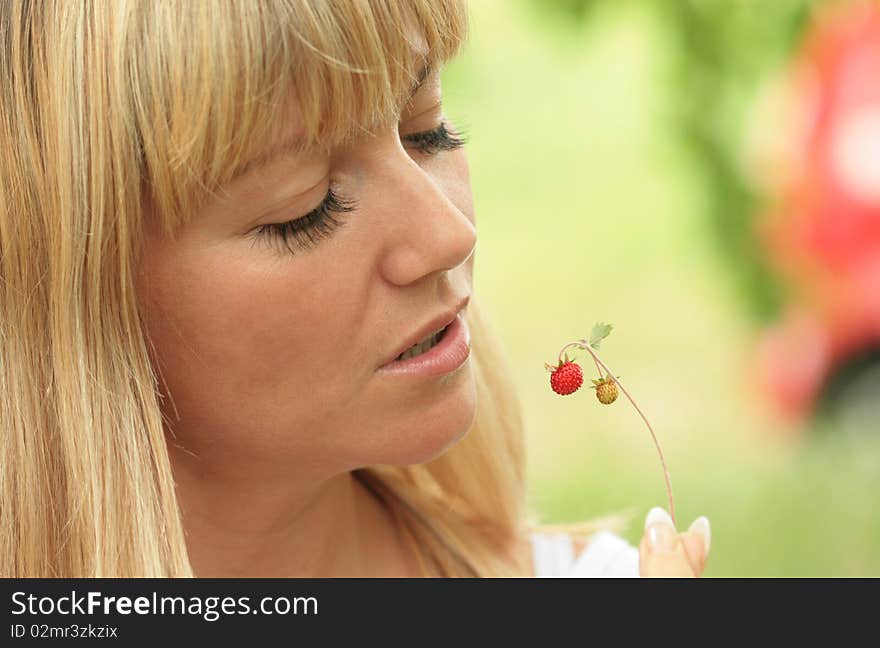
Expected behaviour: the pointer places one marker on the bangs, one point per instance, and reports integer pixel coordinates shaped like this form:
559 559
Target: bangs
209 82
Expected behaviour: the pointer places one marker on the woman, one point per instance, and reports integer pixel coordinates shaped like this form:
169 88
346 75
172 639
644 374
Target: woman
221 224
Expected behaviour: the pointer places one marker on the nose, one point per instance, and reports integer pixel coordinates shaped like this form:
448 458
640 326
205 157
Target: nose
428 233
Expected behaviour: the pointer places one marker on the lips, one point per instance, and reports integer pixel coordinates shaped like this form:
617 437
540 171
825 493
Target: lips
425 345
435 324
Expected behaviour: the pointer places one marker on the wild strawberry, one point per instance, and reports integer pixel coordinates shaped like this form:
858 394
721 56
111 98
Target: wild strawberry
606 390
566 378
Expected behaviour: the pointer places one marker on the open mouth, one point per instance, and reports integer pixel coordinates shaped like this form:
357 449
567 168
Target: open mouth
426 344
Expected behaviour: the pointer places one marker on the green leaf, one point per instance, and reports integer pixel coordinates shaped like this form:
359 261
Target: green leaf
600 332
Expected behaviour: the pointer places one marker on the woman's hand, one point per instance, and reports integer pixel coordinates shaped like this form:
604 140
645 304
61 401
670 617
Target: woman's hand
665 553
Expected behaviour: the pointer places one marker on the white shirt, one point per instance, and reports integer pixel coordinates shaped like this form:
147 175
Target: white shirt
606 556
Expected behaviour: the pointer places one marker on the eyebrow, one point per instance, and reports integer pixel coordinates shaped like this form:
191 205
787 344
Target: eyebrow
292 144
263 160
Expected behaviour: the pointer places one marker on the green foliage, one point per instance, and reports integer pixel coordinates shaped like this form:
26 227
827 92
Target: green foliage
721 51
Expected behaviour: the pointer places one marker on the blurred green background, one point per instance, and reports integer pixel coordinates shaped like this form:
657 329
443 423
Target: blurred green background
604 139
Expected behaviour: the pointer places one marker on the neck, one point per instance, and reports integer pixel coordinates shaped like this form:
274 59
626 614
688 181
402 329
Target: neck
303 528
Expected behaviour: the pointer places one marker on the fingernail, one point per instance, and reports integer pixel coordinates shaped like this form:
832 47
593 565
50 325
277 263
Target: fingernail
662 535
701 526
658 514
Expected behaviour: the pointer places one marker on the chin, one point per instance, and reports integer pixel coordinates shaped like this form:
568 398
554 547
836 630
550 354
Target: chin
433 430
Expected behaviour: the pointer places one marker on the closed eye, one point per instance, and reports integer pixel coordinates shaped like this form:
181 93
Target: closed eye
306 231
435 140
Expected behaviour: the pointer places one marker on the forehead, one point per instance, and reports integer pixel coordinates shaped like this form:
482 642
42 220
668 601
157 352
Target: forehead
330 101
289 136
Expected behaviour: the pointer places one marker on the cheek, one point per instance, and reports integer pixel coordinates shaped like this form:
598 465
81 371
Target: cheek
242 333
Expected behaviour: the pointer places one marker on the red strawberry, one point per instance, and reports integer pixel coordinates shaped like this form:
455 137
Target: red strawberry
566 378
606 390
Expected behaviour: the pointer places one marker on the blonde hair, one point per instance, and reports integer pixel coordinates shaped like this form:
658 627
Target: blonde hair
106 104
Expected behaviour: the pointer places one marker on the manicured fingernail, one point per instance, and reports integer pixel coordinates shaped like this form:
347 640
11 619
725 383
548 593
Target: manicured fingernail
662 535
658 514
701 527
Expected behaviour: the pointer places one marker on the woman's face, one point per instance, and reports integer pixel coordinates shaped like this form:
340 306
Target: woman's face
270 351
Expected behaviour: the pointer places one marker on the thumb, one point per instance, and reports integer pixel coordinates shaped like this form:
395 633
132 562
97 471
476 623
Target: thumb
662 553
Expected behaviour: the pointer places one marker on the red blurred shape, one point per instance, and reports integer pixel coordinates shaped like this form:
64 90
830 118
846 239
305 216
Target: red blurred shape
823 236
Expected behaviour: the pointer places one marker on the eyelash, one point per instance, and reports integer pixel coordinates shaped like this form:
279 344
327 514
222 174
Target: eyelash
435 140
307 231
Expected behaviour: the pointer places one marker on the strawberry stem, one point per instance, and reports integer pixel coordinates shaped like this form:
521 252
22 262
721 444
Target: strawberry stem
583 344
578 344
